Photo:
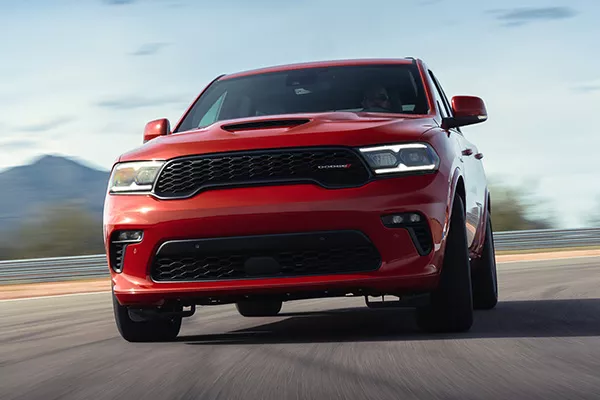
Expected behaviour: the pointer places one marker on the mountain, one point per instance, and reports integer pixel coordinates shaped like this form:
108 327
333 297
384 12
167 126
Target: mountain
49 180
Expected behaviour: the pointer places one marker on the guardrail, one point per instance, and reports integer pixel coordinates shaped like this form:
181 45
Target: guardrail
95 266
53 269
546 239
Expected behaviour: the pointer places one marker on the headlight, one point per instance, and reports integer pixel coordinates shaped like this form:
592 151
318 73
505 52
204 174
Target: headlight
134 176
398 158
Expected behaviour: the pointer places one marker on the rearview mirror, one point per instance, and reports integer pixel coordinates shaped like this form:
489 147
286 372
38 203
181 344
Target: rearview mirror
467 110
156 128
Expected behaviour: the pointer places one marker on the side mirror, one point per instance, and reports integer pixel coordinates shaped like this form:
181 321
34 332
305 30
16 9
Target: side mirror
467 110
156 128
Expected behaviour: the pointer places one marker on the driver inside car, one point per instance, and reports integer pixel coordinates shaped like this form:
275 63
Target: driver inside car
376 99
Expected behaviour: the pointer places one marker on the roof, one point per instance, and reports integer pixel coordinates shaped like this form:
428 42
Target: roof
316 64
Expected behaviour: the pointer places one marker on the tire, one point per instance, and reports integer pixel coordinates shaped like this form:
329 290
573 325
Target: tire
451 305
484 277
259 308
146 331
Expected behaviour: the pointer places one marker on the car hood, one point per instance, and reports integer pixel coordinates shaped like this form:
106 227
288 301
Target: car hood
294 130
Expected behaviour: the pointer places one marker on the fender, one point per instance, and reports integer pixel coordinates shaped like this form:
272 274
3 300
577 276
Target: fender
479 240
453 177
456 175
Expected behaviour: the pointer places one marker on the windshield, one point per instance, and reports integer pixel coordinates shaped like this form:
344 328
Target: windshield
375 88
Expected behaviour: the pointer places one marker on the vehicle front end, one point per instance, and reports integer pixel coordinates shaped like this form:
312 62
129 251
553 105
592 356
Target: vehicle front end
288 222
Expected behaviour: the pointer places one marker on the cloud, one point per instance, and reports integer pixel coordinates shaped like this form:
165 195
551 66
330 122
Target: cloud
168 3
521 16
149 49
130 103
592 86
118 2
19 144
45 126
176 5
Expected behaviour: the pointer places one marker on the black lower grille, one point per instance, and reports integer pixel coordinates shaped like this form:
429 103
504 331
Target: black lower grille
117 251
421 235
265 256
331 167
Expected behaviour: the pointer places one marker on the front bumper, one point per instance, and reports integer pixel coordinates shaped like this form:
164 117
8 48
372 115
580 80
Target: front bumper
279 211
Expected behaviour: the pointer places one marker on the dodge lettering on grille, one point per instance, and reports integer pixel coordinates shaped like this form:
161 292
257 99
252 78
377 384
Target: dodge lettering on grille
335 166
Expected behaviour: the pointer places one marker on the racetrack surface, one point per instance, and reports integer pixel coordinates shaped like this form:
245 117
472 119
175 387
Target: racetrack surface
541 342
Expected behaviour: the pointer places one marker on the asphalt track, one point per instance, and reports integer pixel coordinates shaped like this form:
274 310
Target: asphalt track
541 342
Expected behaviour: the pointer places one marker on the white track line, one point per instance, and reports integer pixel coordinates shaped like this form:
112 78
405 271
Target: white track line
53 296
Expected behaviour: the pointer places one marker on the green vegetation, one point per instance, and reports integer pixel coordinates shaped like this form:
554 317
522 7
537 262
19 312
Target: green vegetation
517 208
56 231
594 221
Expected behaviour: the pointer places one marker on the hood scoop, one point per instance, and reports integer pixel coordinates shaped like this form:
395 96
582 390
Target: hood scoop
272 123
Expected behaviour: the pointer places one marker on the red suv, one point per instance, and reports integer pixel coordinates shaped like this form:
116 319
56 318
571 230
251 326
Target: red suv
338 178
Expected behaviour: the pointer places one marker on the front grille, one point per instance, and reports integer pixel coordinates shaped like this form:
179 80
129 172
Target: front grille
331 168
265 256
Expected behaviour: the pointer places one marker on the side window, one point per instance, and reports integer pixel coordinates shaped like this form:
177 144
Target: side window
439 98
444 97
439 91
213 112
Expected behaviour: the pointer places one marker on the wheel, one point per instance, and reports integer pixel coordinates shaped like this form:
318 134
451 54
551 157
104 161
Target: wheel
484 277
159 330
259 308
450 308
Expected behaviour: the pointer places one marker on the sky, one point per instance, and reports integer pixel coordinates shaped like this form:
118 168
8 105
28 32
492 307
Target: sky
81 78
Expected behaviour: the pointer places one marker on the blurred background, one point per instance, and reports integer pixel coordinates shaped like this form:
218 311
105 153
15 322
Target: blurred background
80 78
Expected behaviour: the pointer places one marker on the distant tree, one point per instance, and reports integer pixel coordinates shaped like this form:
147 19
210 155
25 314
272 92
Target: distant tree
594 215
517 208
59 230
5 252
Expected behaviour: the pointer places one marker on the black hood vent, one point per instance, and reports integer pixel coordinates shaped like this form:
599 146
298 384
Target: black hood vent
273 123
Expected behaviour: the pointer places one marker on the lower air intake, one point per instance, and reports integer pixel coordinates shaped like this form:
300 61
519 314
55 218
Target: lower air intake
271 256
